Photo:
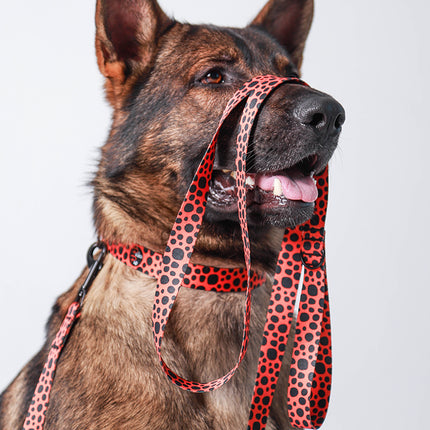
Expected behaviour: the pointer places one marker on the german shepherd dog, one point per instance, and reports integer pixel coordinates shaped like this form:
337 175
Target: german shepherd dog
168 84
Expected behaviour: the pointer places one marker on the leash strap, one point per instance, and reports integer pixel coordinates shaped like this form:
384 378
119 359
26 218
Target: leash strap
36 413
40 401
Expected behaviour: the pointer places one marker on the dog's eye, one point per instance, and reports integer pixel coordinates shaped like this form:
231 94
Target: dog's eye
213 77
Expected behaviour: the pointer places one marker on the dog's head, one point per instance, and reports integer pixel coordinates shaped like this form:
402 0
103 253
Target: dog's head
168 84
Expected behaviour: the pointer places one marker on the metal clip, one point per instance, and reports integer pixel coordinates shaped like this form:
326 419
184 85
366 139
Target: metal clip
94 264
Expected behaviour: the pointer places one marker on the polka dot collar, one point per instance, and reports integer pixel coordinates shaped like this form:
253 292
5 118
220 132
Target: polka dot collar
199 277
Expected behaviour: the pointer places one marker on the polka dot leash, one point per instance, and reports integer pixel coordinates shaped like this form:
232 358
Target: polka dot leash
40 401
301 264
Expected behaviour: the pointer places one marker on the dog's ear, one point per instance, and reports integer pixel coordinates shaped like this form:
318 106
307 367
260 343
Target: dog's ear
127 32
289 22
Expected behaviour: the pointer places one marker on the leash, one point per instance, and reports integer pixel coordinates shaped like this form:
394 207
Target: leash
300 270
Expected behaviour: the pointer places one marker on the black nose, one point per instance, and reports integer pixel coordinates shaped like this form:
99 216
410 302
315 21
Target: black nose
322 113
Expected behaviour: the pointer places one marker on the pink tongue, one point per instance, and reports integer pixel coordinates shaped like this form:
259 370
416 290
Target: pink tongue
294 187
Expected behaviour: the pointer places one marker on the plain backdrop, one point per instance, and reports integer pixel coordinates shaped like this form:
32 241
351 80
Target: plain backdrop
372 55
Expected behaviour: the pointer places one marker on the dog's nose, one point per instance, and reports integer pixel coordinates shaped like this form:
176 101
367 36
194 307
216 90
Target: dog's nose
322 113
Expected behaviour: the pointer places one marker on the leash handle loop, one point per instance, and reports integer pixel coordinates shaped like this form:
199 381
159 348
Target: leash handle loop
188 222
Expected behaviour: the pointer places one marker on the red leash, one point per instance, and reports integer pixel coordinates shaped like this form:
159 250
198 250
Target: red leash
301 264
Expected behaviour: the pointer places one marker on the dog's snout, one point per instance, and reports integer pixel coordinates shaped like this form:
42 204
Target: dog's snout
322 113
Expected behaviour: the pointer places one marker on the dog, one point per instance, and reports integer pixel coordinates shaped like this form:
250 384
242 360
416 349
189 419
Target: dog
168 84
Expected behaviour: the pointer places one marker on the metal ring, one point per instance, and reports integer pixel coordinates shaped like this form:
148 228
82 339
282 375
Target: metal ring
314 266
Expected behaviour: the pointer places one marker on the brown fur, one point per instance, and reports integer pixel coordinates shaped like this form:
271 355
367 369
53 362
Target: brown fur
108 375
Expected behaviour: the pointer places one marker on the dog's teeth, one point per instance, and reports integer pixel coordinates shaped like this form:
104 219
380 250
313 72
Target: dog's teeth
277 187
312 174
233 174
250 181
226 171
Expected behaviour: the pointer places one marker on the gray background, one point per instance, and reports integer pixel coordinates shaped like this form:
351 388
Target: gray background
372 55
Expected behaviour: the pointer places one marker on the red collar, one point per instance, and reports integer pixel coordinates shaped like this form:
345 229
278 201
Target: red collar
199 277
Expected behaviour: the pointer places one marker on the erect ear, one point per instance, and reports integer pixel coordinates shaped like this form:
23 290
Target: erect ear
127 32
289 22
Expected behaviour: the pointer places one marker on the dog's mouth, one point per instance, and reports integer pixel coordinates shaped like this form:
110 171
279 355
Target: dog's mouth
284 197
